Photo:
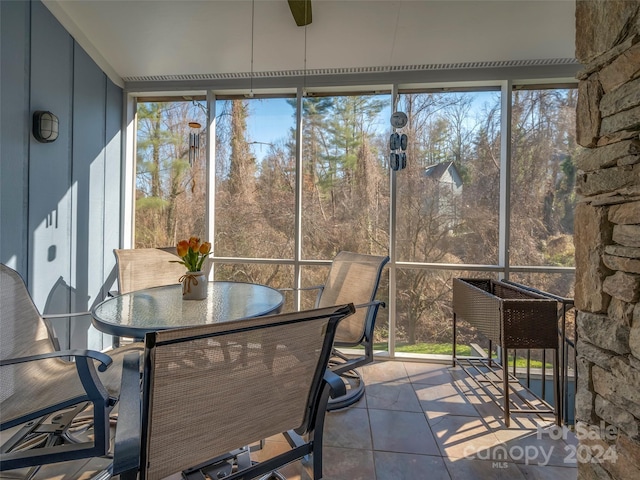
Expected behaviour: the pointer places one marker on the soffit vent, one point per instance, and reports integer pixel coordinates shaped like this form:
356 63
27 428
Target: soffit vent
351 70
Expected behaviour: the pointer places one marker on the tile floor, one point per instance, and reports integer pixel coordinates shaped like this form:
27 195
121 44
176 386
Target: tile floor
418 421
429 421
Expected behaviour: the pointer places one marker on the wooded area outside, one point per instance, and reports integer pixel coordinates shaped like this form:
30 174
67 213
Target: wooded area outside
447 219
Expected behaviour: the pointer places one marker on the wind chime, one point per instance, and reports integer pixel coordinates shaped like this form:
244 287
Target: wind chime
398 142
194 142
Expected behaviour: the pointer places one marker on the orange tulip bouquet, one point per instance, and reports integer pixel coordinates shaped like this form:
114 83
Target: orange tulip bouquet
193 254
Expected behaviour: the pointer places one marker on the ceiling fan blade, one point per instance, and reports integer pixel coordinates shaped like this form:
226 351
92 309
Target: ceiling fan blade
301 11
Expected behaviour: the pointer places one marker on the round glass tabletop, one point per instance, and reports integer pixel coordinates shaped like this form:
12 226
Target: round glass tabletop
135 313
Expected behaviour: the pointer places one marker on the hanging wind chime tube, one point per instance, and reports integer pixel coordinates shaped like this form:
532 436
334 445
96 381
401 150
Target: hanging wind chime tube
194 142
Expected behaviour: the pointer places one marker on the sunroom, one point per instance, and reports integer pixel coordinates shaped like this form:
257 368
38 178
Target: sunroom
227 121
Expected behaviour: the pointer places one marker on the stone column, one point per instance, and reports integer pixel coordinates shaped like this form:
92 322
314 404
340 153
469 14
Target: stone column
607 237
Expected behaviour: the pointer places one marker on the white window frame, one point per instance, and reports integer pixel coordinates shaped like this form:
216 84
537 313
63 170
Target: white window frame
332 84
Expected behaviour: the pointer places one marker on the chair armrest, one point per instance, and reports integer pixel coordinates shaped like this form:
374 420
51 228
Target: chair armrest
319 288
94 390
377 303
54 316
126 453
314 287
59 316
104 359
336 384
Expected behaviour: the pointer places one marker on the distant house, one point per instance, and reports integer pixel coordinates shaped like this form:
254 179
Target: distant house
446 187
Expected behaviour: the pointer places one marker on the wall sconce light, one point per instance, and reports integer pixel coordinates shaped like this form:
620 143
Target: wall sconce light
45 126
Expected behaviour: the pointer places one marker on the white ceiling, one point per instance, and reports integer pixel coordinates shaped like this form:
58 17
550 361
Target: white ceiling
134 39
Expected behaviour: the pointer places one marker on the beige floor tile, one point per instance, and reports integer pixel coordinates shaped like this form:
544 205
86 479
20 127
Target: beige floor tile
381 372
462 437
439 393
571 439
492 412
534 448
486 407
348 428
493 416
348 464
439 400
396 466
531 472
392 396
465 469
406 432
427 373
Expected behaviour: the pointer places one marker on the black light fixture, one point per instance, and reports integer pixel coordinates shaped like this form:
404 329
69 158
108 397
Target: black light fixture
45 126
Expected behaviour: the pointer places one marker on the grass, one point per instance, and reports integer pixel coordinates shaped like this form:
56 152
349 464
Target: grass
521 362
427 348
447 348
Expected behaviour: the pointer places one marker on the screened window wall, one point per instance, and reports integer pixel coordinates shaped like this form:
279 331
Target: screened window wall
291 189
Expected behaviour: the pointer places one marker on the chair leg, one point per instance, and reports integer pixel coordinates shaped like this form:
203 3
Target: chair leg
221 466
275 475
346 369
355 391
54 437
505 385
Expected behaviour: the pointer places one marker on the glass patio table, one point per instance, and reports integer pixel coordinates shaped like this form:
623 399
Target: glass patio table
136 313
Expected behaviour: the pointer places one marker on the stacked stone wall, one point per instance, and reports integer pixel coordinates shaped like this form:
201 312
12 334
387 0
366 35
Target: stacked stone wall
607 236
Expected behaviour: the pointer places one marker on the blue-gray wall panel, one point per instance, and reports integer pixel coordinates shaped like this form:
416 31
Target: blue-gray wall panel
60 202
88 178
113 174
50 219
14 134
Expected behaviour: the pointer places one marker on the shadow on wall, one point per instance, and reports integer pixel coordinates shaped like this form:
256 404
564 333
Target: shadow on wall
67 191
63 330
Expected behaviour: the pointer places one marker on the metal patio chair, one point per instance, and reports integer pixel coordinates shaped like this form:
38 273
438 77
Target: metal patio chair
44 398
200 407
140 268
353 278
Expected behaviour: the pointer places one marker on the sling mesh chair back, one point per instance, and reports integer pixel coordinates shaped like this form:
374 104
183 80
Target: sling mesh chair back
203 399
36 380
353 278
140 268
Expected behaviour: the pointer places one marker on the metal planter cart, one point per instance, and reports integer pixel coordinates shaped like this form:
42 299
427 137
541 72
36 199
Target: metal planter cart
512 318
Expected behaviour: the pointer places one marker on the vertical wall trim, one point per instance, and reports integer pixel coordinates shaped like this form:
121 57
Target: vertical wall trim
73 187
505 176
297 270
128 170
210 206
29 258
15 21
25 266
392 240
113 184
105 172
88 157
